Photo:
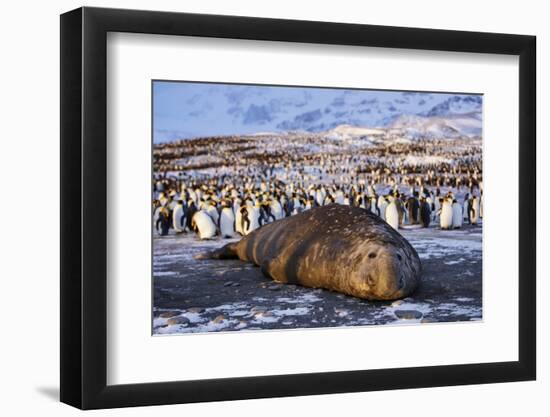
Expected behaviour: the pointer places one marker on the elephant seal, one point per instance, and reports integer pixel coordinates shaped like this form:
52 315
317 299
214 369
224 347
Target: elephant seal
336 247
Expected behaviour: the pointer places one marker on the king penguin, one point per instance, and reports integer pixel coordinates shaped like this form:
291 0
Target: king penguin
446 217
457 215
392 215
203 223
227 221
212 210
178 218
276 209
251 218
382 204
474 210
466 207
190 212
425 212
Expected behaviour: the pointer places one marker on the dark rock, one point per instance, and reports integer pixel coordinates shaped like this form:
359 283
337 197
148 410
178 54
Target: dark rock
177 320
168 314
219 319
408 314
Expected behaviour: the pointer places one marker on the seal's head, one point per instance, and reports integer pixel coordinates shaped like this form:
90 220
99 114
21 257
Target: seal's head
385 272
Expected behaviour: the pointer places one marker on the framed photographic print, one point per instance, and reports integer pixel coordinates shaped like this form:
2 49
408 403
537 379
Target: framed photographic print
257 208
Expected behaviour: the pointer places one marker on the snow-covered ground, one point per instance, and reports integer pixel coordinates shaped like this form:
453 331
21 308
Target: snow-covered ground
230 295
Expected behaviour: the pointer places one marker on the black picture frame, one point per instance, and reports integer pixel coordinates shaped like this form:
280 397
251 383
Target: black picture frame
84 207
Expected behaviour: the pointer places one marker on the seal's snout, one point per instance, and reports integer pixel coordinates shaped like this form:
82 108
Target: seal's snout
401 281
387 274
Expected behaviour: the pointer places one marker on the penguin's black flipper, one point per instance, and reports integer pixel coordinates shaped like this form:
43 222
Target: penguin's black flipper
228 251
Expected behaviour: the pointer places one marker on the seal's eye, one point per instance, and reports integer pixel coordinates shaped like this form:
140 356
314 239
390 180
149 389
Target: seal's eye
372 255
399 257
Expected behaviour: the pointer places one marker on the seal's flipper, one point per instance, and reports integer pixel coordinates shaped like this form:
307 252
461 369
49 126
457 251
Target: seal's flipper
228 251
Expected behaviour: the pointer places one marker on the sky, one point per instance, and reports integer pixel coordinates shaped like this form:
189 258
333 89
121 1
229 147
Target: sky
183 110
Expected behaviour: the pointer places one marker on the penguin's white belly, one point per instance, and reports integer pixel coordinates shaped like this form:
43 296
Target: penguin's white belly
319 198
213 213
474 216
392 216
457 216
297 208
178 219
382 207
227 222
254 217
436 212
373 208
238 222
205 224
446 218
481 208
277 211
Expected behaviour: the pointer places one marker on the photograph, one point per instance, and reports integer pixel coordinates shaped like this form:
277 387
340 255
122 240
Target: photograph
293 207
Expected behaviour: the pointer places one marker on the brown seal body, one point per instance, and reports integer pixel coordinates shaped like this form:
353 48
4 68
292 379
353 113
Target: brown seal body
336 247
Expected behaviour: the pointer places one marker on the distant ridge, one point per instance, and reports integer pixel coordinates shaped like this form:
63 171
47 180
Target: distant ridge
187 110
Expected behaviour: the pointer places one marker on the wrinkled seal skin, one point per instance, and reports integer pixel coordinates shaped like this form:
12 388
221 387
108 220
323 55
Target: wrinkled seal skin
336 247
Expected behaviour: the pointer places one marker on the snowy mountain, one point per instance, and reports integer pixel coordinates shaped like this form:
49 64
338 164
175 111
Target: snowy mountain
347 131
454 125
187 110
459 104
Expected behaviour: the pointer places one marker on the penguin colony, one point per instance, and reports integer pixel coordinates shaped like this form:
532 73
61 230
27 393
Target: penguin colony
230 186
